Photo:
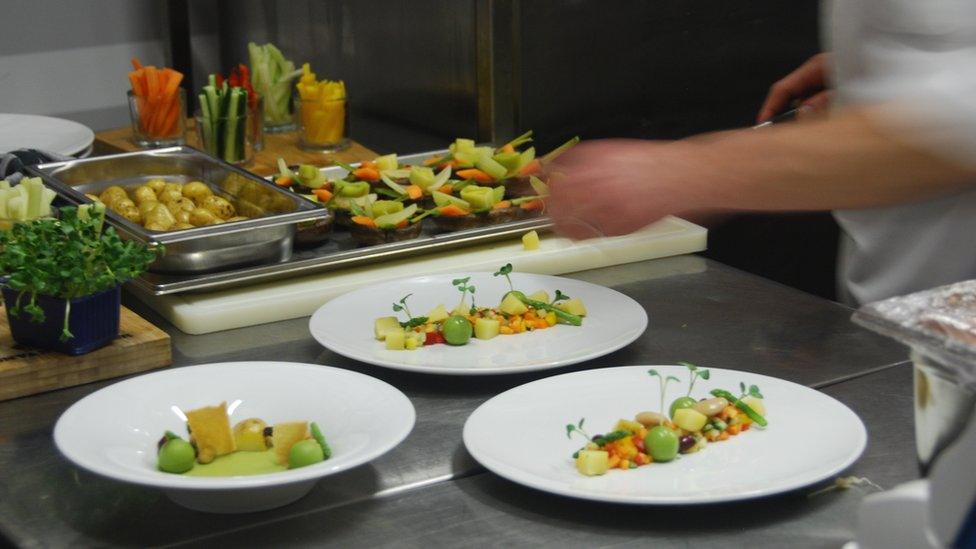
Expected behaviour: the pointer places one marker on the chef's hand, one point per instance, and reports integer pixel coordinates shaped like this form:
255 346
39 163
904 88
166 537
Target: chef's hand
615 186
805 86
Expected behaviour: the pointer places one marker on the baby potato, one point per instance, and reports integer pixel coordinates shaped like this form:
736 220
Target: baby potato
144 194
173 187
237 218
182 216
121 204
200 217
196 191
216 221
157 185
153 226
111 194
181 226
92 197
132 214
147 206
160 216
218 206
169 195
183 204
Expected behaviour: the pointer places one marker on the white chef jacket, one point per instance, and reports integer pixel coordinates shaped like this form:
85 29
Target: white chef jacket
922 54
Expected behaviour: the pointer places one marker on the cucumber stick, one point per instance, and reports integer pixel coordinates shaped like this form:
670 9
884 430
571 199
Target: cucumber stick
223 121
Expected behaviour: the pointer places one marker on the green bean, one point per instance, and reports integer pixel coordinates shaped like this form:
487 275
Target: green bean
569 318
753 415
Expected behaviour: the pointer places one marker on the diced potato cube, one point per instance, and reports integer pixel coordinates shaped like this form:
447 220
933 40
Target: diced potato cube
396 341
573 306
410 343
384 325
530 241
755 403
540 295
593 462
628 425
512 305
438 314
485 328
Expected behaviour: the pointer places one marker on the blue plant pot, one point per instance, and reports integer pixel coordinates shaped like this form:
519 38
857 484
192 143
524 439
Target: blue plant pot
94 321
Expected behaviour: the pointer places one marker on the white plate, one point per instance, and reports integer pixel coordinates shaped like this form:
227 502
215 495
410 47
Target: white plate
57 135
113 432
345 325
521 435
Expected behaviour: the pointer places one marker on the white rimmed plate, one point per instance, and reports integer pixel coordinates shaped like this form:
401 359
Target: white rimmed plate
345 325
521 436
113 432
57 135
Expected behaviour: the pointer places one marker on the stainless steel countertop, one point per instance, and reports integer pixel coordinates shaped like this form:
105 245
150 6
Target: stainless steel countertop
430 491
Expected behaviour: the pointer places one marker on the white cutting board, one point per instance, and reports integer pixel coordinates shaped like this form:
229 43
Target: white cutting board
202 313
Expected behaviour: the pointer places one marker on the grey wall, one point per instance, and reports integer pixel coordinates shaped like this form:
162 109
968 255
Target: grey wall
70 58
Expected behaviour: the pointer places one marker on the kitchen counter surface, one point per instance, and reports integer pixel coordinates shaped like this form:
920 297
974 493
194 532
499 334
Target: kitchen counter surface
430 491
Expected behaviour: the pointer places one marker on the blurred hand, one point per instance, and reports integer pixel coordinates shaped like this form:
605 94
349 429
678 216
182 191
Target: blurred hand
805 87
616 186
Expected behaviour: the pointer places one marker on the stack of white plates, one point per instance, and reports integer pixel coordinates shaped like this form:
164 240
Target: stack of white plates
56 135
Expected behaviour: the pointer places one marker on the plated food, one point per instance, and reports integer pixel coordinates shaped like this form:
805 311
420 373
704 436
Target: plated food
347 324
251 447
811 437
656 437
114 432
516 313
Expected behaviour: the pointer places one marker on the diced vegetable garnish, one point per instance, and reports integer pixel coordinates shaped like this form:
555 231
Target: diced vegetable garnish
530 241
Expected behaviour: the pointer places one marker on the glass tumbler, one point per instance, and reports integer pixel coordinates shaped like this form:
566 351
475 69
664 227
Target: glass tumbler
228 138
158 123
324 124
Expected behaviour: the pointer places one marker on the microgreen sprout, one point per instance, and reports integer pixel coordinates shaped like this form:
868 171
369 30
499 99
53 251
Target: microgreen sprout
505 271
559 297
462 285
696 373
752 391
67 258
664 384
578 429
412 321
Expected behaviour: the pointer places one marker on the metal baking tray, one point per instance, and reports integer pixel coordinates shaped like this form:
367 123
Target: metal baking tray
266 237
340 251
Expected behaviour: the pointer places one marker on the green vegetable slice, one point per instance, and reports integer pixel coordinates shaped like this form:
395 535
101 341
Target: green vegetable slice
753 415
320 438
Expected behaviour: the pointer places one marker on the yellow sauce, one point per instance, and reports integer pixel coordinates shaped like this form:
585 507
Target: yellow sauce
238 464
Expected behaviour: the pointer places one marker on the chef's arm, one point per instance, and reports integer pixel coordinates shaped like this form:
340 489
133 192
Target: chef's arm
854 159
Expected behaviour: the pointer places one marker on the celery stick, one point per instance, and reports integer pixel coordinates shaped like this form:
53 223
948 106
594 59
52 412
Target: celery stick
559 150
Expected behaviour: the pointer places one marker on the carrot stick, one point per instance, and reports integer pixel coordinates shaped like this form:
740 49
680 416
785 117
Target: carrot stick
367 174
532 167
415 192
452 210
136 64
363 220
476 174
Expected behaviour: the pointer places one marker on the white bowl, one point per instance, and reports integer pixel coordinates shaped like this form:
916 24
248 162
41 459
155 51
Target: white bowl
113 432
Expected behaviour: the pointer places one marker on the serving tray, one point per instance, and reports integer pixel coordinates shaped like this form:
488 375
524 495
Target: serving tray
340 251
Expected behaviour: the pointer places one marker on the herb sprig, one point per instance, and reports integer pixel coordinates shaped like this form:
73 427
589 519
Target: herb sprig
696 373
411 321
559 297
462 285
664 384
68 258
505 271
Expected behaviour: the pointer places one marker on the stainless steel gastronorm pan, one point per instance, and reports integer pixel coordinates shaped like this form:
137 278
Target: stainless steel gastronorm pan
339 252
265 238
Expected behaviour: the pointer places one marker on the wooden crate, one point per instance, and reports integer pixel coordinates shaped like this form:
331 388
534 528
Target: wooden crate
23 371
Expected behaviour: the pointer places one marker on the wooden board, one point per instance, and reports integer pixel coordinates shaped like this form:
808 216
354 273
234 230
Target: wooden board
283 145
23 371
